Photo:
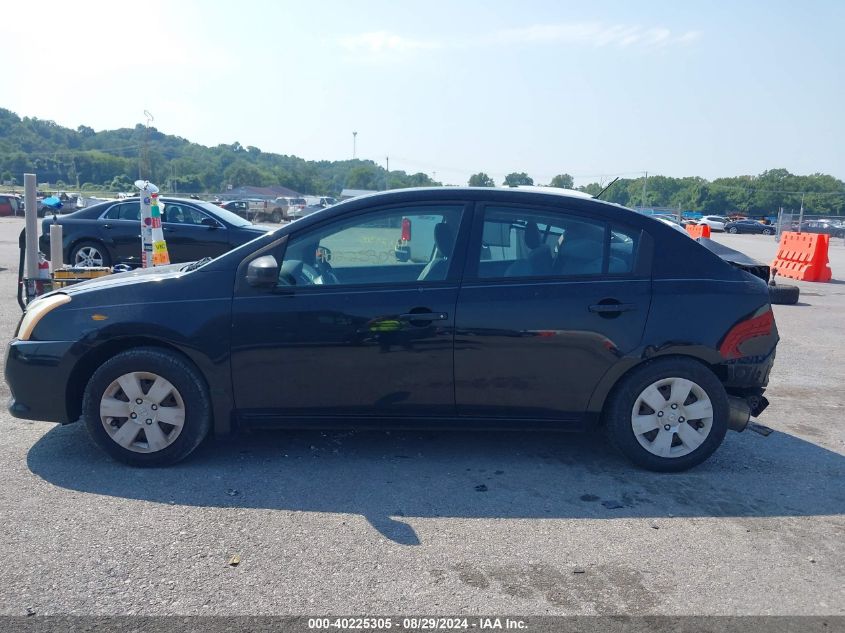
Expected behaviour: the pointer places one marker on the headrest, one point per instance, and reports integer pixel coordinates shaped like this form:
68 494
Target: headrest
444 238
533 239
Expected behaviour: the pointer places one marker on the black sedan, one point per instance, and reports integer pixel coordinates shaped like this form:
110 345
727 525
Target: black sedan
749 226
110 233
534 310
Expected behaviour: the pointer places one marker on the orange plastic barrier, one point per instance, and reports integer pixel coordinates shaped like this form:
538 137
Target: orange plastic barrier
803 256
698 230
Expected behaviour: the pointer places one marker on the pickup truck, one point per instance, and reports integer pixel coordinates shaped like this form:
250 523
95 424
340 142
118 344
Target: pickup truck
255 210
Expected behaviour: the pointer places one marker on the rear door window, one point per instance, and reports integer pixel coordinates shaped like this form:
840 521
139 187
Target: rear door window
521 242
124 211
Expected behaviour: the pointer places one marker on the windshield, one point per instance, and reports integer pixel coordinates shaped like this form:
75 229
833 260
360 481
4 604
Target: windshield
223 214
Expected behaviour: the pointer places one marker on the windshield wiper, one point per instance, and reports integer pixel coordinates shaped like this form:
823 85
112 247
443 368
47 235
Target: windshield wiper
194 265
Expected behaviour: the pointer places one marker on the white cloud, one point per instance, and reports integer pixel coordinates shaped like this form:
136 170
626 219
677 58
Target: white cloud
598 34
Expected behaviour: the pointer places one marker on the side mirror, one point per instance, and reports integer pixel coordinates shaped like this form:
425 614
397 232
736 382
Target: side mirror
211 223
263 272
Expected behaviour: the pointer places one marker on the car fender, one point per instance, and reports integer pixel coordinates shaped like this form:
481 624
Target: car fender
618 371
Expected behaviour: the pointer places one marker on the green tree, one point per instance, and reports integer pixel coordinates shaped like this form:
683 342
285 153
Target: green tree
481 180
363 177
564 181
241 173
593 188
120 183
515 179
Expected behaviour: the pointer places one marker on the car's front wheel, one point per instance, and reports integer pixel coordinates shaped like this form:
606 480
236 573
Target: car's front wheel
90 254
733 229
768 232
147 407
668 414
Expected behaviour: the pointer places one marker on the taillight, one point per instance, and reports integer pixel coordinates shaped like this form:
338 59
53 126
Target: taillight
406 230
759 324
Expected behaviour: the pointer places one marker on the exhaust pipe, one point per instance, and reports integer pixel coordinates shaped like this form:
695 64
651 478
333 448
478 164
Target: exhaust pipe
740 414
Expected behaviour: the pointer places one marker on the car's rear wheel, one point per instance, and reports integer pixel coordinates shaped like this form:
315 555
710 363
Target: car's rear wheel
90 254
768 232
733 229
668 414
147 407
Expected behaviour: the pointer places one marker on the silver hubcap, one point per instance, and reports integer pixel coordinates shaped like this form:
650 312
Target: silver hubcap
88 256
672 417
142 412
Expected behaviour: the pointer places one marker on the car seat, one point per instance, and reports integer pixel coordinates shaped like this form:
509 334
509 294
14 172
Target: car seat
444 244
538 262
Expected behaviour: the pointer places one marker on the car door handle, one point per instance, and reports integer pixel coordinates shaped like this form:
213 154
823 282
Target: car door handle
168 230
107 226
604 308
424 316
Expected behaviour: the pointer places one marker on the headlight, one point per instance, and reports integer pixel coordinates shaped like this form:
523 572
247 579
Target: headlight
36 310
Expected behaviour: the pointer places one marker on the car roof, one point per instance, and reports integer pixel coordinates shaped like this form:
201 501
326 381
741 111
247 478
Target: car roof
519 195
528 189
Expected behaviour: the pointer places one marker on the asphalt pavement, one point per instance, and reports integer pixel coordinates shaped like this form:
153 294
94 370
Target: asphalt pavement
446 522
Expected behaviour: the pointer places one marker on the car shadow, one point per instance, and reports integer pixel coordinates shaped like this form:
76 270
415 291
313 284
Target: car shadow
385 476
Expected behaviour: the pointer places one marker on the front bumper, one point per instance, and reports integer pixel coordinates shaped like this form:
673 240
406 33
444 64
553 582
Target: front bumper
37 373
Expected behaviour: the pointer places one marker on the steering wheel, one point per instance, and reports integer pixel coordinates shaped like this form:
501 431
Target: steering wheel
298 273
326 272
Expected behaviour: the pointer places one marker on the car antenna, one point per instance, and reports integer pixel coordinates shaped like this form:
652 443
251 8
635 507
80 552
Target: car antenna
598 195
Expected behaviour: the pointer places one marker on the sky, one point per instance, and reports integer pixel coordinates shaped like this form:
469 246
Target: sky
593 89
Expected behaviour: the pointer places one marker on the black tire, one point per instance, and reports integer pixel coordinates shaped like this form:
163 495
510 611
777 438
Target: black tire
181 374
784 295
102 250
276 216
733 230
768 232
617 415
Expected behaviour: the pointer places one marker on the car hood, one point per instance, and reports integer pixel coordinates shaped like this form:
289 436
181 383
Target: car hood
736 259
139 275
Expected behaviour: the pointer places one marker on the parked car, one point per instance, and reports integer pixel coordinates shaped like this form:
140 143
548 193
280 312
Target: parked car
110 232
254 210
292 208
535 310
822 226
416 238
670 221
715 222
749 226
10 204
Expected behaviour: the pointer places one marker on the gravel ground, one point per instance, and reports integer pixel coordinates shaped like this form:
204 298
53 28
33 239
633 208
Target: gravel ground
442 522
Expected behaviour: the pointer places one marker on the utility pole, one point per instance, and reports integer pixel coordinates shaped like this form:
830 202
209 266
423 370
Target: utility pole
145 155
801 214
387 173
354 145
